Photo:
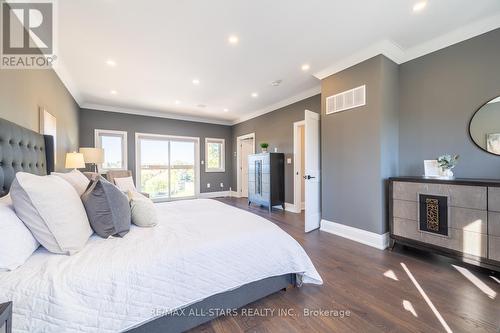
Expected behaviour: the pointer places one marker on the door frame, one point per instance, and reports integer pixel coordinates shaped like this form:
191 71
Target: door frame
297 155
238 159
167 137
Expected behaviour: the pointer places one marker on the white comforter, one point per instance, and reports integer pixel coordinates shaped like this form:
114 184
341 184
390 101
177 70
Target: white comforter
200 248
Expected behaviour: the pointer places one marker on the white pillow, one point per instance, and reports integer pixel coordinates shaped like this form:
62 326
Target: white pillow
143 210
6 199
125 184
17 243
50 207
77 179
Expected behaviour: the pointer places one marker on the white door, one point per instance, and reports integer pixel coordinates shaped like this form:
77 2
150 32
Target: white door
312 171
247 148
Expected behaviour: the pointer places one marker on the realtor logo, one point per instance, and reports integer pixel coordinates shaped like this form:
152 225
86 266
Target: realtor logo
27 34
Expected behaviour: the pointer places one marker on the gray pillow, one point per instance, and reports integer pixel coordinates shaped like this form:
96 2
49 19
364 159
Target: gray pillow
107 208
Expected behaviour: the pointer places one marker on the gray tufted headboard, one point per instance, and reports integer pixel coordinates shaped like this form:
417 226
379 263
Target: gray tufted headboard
23 150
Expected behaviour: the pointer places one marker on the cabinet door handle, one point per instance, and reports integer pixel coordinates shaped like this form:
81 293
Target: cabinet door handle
308 177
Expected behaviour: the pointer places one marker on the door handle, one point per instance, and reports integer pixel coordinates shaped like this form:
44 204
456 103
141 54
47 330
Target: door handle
308 177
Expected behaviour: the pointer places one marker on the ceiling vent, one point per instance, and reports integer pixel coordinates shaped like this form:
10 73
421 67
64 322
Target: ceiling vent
346 100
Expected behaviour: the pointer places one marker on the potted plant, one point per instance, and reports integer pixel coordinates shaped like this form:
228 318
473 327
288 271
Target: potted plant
446 163
264 146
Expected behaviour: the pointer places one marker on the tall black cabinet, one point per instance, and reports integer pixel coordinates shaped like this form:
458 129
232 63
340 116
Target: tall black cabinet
266 179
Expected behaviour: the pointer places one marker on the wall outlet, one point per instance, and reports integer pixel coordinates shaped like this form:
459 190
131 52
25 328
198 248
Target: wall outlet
208 185
221 184
202 162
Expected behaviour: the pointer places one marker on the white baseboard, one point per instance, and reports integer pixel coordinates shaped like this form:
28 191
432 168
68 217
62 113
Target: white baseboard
234 194
378 241
217 194
289 208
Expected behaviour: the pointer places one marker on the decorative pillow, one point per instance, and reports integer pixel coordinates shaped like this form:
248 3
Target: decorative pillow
17 243
107 208
50 207
143 210
125 184
76 179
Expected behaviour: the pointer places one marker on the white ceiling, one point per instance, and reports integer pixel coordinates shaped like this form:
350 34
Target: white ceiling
161 46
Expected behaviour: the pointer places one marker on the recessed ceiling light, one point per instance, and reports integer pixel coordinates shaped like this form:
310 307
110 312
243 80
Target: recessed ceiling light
226 110
196 82
305 67
233 39
113 92
177 102
111 62
419 6
255 95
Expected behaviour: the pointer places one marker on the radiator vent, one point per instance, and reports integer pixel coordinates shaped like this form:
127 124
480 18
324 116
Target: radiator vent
346 100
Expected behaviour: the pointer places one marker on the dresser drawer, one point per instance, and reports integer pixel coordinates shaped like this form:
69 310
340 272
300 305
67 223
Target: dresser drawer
494 224
494 248
469 242
494 199
460 218
473 197
405 209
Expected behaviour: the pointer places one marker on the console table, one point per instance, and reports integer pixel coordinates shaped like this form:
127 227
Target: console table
459 218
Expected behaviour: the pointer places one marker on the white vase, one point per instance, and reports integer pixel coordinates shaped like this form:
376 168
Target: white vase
447 173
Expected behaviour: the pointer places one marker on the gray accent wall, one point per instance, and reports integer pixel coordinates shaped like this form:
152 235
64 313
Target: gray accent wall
439 94
22 92
276 128
94 119
360 146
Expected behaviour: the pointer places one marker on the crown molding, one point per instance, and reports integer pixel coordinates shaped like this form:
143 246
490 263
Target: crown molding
386 47
399 55
273 107
154 113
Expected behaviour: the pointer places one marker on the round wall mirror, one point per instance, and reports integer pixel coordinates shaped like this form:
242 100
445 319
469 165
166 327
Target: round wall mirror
484 127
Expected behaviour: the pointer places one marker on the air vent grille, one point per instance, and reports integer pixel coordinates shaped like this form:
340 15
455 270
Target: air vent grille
346 100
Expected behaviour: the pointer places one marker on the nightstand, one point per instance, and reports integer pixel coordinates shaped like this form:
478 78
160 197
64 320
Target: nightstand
6 317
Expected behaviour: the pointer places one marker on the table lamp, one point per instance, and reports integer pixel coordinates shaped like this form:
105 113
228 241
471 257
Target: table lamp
94 156
74 160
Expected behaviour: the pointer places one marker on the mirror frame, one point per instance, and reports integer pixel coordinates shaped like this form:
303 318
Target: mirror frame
470 122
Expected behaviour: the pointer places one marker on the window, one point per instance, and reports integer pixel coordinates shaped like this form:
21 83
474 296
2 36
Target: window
215 155
114 144
167 166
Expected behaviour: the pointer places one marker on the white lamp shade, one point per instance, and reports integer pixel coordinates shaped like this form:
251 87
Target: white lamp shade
74 161
93 155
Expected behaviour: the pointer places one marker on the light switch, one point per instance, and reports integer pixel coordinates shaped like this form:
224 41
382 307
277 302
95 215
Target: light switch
289 160
275 149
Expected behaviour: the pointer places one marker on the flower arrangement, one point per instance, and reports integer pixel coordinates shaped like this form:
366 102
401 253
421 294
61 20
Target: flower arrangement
446 163
264 146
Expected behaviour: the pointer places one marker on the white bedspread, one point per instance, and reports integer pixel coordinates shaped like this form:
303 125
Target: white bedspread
201 247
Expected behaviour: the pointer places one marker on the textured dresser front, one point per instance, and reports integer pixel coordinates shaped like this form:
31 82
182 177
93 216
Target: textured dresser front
259 179
453 217
494 223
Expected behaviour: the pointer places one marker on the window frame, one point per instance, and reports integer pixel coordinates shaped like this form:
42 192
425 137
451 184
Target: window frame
222 157
98 144
167 137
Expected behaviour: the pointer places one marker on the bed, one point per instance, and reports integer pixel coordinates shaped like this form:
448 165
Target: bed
204 256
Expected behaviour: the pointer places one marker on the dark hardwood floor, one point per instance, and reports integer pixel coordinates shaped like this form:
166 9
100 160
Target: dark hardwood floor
374 287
